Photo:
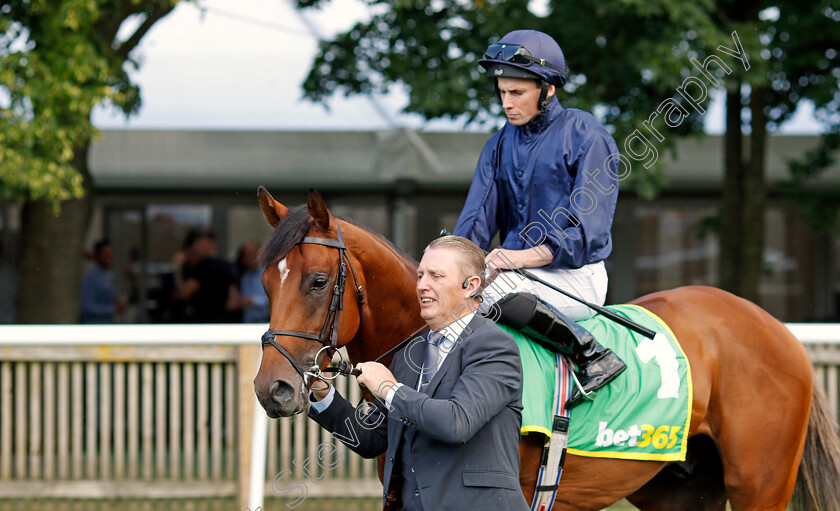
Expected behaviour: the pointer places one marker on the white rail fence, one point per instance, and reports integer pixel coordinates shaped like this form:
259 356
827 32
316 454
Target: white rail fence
822 340
168 411
151 411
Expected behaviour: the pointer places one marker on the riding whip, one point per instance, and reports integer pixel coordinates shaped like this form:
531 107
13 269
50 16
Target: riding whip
632 325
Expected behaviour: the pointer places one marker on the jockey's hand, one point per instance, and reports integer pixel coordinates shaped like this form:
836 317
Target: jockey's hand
502 259
505 259
376 377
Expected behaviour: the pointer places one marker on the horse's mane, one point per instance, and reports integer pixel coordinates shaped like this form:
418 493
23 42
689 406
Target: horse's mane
294 227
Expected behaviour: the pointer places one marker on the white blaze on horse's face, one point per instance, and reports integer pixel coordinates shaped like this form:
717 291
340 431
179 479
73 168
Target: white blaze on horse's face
284 271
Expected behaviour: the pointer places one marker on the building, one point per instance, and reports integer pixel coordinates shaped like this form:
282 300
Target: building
152 186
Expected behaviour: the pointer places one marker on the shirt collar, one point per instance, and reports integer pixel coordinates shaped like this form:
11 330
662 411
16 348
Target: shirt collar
454 330
539 123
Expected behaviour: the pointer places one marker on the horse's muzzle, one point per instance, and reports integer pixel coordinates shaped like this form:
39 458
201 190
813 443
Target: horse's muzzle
281 399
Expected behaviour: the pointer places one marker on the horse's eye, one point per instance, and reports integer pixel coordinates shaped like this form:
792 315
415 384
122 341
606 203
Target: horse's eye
319 283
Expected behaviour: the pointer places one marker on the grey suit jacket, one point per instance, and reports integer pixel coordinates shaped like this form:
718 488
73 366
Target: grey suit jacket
463 434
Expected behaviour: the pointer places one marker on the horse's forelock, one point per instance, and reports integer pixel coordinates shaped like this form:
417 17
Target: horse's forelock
294 227
286 235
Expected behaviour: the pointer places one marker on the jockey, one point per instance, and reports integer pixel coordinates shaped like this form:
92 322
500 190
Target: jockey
547 182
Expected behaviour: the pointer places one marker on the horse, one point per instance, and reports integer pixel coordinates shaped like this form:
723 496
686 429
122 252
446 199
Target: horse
755 408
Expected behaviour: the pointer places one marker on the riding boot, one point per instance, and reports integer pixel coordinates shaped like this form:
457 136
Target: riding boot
596 365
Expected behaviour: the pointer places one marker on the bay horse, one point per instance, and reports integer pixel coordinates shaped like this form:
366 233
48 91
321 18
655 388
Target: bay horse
755 406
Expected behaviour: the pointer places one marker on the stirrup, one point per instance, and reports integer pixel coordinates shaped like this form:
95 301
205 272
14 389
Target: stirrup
583 395
608 366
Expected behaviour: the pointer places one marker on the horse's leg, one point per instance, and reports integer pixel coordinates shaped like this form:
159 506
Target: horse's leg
760 455
752 382
693 485
588 484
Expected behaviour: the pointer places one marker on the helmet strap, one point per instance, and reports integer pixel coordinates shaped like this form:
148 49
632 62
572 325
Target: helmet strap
542 102
544 99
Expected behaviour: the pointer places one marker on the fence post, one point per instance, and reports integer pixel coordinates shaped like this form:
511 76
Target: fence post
246 366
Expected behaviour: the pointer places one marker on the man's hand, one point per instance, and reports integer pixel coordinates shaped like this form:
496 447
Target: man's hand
320 392
121 304
178 259
376 377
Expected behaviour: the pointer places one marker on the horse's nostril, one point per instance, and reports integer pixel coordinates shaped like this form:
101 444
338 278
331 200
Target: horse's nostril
282 392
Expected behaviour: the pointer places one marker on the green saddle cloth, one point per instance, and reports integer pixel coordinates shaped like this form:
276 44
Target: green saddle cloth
642 415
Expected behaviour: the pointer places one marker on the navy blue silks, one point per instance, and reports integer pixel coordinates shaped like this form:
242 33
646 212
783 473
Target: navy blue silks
553 181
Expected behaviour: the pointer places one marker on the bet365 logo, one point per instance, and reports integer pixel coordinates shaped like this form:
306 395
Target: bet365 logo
662 437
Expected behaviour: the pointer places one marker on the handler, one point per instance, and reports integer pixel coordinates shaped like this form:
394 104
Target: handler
547 182
448 412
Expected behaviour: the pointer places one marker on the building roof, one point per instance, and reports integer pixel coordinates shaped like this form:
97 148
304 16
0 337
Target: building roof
164 160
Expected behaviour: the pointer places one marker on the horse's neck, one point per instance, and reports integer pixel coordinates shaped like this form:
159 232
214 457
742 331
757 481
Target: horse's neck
392 312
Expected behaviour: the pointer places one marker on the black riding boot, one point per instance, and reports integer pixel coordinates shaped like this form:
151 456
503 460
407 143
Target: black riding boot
596 365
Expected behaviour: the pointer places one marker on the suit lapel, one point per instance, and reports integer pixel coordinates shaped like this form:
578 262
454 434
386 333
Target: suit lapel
448 361
406 370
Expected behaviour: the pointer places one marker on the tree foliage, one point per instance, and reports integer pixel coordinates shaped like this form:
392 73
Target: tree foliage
59 59
625 56
628 58
819 207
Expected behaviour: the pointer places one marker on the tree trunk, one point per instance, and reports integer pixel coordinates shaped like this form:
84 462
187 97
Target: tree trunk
755 199
743 198
730 229
52 254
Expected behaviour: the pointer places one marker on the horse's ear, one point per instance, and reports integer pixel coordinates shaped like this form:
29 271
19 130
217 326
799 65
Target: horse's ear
318 209
274 211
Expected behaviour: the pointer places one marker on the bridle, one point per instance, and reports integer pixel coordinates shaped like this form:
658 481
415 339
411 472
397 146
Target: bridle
329 332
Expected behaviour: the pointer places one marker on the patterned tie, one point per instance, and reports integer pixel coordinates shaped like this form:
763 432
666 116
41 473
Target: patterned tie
430 360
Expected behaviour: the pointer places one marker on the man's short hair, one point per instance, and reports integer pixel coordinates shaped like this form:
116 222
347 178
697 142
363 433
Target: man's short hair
472 262
99 245
196 234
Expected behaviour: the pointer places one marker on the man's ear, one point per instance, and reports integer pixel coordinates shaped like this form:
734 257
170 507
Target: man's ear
551 90
473 286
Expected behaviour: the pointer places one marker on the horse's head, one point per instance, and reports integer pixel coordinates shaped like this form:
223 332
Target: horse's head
315 299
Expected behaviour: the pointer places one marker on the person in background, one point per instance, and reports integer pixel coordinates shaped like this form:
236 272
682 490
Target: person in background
202 281
249 296
99 301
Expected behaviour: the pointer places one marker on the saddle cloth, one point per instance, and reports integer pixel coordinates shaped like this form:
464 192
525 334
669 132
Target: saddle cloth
641 415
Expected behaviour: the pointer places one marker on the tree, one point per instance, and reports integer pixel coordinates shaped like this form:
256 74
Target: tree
796 45
635 63
58 60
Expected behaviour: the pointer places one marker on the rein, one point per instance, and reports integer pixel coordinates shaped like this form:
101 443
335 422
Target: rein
329 332
346 369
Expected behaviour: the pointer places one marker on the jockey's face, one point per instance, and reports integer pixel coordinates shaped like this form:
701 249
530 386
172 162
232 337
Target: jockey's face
439 288
520 99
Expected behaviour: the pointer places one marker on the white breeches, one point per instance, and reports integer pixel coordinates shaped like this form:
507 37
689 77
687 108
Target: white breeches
589 283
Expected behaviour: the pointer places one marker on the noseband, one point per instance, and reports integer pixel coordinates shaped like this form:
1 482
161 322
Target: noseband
328 336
